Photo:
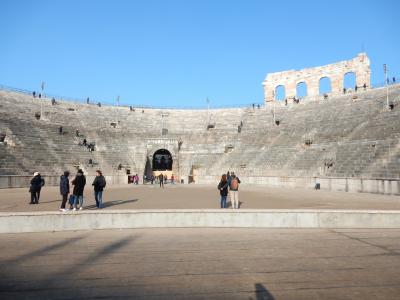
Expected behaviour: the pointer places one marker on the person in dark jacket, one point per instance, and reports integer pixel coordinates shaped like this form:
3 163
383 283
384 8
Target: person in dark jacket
223 190
35 186
99 184
161 179
42 183
79 183
64 189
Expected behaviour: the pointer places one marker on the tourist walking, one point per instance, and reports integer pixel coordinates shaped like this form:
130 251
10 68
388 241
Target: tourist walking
99 184
234 191
172 179
223 190
64 189
136 179
79 183
35 185
161 179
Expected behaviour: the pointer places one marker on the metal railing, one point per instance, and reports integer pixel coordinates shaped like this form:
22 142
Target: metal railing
136 106
143 106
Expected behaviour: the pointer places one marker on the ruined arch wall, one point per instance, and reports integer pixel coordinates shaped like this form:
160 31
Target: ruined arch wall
360 65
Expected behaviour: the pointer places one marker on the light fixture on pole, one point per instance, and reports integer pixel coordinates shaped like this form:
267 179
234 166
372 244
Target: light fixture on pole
117 108
42 95
208 110
385 69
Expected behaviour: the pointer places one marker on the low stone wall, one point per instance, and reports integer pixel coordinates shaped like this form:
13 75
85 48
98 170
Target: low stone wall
206 218
19 181
356 185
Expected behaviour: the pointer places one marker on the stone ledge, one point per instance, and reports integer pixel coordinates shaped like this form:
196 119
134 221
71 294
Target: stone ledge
271 218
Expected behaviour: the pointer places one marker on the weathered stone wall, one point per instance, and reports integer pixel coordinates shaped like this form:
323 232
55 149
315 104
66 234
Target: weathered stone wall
359 65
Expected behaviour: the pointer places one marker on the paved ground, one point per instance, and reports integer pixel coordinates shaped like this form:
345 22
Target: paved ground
201 264
200 196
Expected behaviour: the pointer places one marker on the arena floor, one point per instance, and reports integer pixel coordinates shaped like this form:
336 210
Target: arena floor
189 263
201 263
200 196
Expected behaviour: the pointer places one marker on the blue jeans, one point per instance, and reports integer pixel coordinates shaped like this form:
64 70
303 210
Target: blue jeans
223 201
78 199
98 196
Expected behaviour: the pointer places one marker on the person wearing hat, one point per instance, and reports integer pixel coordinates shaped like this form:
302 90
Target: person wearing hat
36 184
79 183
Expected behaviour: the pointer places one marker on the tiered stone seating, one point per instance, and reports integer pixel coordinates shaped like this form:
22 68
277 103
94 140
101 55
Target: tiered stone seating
346 137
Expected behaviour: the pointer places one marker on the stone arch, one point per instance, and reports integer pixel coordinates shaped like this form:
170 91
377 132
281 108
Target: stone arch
324 85
301 89
280 92
349 80
162 160
360 65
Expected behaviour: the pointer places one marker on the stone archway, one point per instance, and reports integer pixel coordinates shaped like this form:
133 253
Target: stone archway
162 160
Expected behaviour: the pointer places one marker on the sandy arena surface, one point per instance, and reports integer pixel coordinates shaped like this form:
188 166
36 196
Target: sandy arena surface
187 263
199 196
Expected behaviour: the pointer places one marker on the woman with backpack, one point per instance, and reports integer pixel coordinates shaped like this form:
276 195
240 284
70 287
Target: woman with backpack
99 184
234 191
223 190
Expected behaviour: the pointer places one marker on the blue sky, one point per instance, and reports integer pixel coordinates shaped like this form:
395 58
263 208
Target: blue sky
178 53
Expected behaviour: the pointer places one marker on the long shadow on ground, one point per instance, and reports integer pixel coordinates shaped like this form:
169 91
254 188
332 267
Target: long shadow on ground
113 203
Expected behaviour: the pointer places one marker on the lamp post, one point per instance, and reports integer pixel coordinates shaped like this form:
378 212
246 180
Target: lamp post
208 111
273 113
387 86
117 108
42 94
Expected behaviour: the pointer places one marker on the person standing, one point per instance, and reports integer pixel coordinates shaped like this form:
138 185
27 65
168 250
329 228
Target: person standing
42 183
223 190
35 185
172 179
64 189
136 179
234 191
99 184
161 179
79 183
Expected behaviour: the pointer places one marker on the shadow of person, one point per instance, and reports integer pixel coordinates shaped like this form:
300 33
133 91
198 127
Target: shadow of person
261 293
112 203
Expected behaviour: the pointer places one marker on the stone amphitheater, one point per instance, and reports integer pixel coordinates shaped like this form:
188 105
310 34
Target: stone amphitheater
343 141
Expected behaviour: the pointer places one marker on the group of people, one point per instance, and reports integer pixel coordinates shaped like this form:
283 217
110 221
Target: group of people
89 146
75 198
79 183
229 184
135 179
355 88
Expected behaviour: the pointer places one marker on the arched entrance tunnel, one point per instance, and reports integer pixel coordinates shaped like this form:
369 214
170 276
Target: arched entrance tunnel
162 160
